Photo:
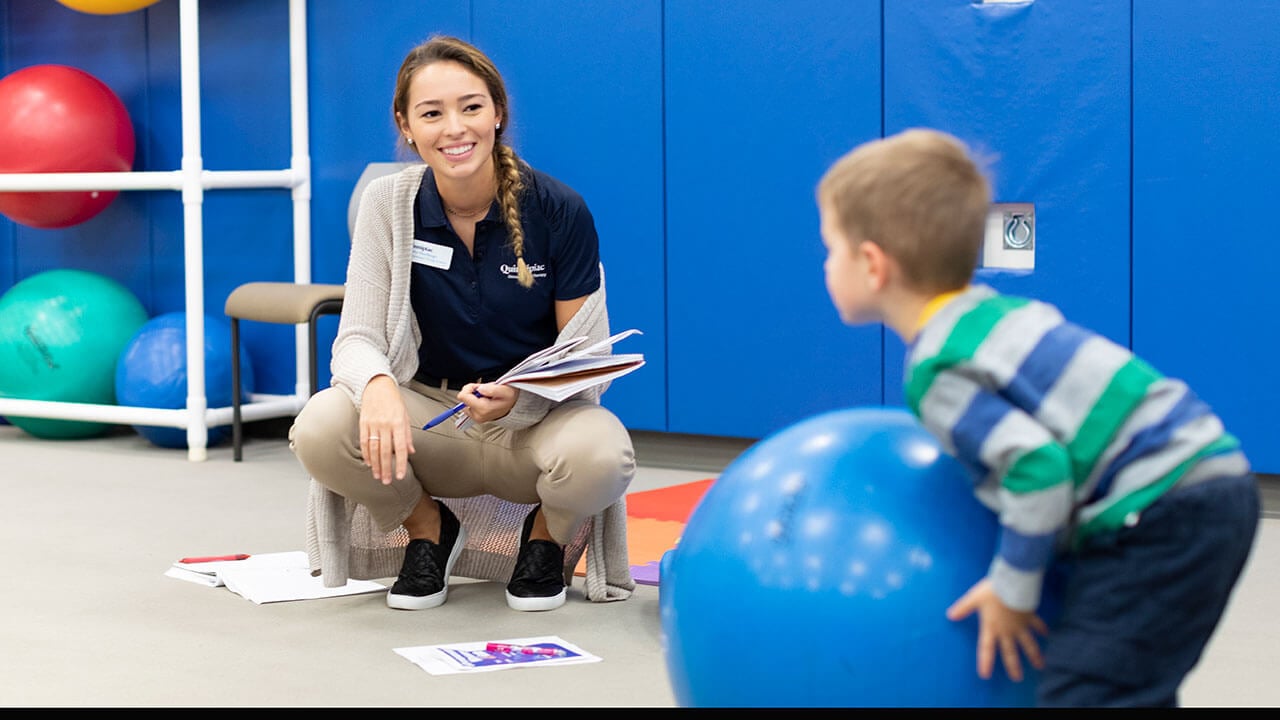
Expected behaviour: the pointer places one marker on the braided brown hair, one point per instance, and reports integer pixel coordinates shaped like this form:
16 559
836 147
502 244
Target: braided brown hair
507 165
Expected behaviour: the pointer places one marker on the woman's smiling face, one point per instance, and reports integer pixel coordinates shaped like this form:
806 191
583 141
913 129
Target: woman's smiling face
452 119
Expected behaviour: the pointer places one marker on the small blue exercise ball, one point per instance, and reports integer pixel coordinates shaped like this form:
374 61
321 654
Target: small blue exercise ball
152 373
817 570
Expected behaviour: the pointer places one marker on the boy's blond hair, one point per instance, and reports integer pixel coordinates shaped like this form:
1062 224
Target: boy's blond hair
920 197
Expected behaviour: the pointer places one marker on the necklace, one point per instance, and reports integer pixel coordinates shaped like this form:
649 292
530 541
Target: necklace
468 214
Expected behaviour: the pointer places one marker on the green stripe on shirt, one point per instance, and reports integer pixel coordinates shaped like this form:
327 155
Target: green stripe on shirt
1126 390
964 339
1043 467
1138 500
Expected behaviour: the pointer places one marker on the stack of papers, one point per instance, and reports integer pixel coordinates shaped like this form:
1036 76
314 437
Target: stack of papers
268 577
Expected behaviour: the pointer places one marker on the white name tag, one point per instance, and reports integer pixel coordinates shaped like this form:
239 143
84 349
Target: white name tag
432 255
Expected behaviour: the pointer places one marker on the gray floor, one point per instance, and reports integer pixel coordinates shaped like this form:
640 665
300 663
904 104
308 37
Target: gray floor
87 618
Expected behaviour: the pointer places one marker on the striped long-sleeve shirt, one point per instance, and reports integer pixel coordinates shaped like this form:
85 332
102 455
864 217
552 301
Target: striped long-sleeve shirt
1066 433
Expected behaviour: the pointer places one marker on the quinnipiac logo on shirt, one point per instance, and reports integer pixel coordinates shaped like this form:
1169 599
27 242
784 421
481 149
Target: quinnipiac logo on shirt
513 273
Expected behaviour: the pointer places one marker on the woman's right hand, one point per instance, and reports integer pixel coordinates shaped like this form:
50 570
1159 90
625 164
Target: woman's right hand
489 401
386 440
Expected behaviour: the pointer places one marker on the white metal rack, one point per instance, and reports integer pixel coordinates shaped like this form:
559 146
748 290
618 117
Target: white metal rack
192 180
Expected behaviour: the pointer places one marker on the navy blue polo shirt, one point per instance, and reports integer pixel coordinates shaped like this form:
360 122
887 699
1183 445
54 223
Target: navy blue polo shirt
476 319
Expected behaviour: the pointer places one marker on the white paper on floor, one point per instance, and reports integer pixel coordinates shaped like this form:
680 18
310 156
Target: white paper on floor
268 577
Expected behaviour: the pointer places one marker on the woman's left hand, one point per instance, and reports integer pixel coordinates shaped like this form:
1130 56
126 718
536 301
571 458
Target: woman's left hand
487 401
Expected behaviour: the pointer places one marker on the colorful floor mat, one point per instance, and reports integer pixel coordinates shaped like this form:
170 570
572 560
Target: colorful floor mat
655 520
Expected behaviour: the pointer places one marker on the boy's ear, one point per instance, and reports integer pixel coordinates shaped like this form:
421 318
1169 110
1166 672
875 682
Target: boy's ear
878 264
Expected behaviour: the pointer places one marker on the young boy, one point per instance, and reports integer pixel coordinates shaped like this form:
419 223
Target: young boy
1075 443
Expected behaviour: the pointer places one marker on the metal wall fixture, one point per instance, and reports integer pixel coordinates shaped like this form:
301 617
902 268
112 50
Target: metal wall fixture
1010 242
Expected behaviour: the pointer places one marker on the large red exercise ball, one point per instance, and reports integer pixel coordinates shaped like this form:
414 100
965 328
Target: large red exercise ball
53 119
817 570
152 373
107 7
60 334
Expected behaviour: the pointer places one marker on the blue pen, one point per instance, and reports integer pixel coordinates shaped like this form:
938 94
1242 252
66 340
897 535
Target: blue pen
448 413
444 416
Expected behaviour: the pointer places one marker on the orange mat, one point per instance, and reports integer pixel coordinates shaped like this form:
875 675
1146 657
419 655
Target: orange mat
655 520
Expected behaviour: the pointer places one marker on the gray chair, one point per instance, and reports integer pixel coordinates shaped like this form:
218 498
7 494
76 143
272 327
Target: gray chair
288 303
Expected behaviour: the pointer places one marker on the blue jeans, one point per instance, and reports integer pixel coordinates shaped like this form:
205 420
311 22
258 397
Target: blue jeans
1142 602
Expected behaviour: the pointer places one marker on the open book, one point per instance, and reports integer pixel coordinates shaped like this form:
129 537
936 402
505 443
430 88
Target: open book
565 369
560 371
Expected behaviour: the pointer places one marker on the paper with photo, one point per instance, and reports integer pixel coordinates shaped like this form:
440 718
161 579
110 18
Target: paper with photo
469 657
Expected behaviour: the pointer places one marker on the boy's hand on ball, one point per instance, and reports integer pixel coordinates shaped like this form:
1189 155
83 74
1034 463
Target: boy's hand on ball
1002 628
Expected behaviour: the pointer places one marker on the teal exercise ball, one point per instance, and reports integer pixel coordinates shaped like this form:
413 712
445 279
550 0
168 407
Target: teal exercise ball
60 334
817 569
152 373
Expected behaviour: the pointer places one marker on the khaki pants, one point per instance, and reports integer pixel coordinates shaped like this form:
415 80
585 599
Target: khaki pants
577 461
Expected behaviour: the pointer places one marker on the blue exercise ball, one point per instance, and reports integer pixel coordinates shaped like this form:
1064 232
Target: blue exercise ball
152 373
817 570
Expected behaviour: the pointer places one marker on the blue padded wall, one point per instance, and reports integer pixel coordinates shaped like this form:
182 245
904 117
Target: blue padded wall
351 78
1141 130
586 98
1042 89
248 233
1206 167
761 97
